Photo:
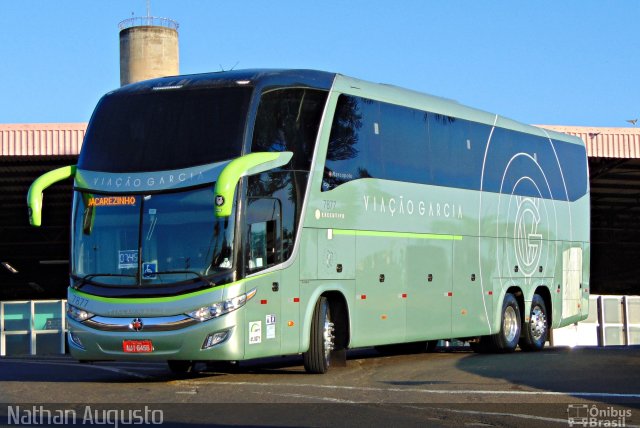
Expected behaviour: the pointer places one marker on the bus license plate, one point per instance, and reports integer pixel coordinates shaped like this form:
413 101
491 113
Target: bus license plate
137 346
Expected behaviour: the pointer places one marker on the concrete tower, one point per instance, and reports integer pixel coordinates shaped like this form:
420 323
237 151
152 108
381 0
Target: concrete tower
148 48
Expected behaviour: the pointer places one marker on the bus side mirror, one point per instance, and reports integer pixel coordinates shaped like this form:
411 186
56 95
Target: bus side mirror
34 197
250 164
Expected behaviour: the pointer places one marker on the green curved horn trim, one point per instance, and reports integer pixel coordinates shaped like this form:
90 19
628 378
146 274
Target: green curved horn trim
34 197
252 163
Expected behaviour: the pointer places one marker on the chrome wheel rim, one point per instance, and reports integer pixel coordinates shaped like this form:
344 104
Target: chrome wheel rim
328 337
538 323
510 324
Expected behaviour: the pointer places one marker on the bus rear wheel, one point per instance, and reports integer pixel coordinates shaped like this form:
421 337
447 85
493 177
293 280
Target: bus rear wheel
506 340
536 331
322 341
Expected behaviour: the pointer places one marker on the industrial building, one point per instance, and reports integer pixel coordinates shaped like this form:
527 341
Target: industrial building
34 263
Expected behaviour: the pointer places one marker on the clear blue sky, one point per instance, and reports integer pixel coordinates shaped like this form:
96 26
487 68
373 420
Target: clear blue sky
567 62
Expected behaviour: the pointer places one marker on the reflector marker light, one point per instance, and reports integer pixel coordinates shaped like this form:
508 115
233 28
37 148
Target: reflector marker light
263 301
363 297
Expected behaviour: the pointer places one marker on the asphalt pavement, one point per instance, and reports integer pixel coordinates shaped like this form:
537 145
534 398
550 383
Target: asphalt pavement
451 387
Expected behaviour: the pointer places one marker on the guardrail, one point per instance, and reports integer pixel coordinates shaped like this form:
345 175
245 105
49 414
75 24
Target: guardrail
148 21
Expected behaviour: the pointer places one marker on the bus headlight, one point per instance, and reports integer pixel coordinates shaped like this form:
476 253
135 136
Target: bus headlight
220 308
78 314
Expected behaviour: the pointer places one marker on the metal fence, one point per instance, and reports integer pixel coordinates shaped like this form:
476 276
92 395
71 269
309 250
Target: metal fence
612 321
619 318
32 327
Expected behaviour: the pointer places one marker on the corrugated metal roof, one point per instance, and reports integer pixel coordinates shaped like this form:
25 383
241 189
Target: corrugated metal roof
38 139
605 142
41 139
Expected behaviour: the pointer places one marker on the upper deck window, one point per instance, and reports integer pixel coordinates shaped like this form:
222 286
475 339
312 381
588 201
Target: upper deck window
372 139
165 130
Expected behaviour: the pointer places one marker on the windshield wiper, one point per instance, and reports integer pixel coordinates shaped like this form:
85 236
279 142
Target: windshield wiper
198 275
87 278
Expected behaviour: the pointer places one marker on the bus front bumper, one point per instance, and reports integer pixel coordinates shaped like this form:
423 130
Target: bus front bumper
213 340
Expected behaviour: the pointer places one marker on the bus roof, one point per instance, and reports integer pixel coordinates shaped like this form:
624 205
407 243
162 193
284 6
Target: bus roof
265 78
421 101
255 77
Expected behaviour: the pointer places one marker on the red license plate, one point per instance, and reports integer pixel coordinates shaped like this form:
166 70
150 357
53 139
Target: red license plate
137 346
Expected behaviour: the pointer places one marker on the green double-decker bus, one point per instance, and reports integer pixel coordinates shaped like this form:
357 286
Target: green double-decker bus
244 214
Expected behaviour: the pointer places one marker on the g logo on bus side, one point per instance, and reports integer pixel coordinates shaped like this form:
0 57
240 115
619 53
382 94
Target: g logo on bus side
528 242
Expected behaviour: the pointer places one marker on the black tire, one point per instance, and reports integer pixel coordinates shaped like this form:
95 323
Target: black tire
510 326
536 331
181 367
431 346
506 340
322 341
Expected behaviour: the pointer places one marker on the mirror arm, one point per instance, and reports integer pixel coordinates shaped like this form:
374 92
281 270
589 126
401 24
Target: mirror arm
34 197
250 164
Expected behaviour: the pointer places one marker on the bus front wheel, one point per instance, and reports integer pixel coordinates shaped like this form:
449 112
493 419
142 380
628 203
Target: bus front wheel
322 341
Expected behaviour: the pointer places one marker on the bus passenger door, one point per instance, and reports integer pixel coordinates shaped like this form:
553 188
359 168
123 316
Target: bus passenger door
336 252
263 249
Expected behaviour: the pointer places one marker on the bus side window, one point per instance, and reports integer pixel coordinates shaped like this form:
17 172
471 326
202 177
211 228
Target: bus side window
264 235
262 245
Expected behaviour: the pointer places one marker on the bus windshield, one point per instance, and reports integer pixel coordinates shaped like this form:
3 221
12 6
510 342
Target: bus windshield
149 240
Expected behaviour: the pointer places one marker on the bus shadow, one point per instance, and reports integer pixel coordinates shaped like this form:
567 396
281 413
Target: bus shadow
64 369
609 375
